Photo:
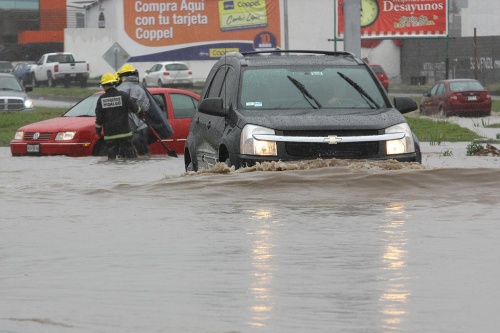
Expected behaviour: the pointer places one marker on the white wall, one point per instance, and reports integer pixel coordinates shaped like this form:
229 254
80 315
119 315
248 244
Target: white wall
310 25
90 45
482 15
386 54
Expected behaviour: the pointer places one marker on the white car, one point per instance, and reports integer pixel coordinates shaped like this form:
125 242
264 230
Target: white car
169 74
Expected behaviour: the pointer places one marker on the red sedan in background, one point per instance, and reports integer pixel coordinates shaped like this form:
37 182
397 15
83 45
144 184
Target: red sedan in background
457 97
382 76
73 134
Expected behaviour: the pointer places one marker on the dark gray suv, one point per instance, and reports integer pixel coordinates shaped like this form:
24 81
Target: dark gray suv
296 105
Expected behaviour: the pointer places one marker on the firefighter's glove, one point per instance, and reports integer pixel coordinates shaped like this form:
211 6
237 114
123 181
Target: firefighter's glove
142 115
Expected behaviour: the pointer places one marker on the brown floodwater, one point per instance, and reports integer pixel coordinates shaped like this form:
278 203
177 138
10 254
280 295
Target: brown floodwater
88 245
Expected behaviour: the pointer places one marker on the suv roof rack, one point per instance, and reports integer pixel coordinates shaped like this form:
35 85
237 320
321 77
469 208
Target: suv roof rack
330 53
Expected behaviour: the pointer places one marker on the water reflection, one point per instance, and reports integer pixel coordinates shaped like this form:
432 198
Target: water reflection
394 258
262 275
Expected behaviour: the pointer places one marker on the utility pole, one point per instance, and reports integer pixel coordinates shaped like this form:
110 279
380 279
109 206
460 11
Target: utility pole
285 9
475 54
352 26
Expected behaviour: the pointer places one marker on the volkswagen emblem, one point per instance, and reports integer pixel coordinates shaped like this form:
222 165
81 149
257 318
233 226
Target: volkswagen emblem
36 135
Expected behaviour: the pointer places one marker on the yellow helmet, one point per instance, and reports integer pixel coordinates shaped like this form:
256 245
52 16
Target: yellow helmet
127 68
117 76
108 78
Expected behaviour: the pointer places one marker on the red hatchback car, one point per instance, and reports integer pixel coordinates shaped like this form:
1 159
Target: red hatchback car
382 76
457 97
73 134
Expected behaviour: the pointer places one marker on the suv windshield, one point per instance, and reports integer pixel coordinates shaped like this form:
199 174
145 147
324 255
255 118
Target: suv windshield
307 87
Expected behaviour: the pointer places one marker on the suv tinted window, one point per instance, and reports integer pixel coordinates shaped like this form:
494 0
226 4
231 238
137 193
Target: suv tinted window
272 87
223 83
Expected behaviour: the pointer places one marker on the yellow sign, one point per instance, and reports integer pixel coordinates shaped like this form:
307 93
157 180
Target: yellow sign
238 15
217 53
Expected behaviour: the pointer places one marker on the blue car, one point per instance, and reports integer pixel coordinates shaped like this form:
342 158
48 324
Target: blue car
23 72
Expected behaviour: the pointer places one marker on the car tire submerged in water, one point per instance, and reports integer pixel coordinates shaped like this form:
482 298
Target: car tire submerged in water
442 112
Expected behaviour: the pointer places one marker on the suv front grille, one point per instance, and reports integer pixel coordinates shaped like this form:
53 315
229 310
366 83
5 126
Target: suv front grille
340 150
11 104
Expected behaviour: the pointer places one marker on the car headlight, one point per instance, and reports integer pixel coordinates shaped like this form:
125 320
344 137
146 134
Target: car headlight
401 146
28 104
251 146
19 135
63 136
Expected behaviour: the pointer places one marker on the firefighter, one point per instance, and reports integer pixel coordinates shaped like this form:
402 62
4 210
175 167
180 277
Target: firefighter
112 120
129 83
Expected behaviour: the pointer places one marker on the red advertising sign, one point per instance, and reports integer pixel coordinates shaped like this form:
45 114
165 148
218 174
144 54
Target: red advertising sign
198 30
399 18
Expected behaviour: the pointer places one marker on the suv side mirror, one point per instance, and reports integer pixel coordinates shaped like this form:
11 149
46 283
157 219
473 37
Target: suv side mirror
405 104
213 106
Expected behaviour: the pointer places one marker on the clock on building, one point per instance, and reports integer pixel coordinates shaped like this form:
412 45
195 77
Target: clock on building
370 10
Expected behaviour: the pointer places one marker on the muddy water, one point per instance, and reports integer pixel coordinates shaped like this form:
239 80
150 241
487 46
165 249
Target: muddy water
139 246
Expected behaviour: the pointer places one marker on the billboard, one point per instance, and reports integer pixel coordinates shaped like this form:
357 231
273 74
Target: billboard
399 18
200 30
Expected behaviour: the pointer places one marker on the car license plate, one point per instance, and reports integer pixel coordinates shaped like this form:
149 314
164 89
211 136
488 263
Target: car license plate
33 148
472 98
73 74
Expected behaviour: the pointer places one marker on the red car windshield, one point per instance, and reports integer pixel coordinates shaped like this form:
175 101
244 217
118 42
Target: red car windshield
85 108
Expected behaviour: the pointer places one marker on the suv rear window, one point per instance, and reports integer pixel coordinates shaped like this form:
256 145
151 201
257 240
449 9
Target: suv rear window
273 88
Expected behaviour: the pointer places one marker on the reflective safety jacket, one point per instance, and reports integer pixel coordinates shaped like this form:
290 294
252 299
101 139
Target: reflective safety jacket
112 111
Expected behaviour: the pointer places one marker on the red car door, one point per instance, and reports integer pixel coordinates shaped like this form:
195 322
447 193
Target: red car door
180 106
434 98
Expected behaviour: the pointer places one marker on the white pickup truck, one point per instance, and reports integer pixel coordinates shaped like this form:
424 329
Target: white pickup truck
60 67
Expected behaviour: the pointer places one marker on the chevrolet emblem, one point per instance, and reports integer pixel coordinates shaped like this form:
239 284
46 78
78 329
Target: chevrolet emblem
332 139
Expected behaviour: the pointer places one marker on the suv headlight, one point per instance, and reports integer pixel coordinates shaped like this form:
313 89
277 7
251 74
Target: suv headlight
401 146
251 146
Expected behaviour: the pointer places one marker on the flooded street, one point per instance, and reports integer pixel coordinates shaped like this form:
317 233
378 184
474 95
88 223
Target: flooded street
88 245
